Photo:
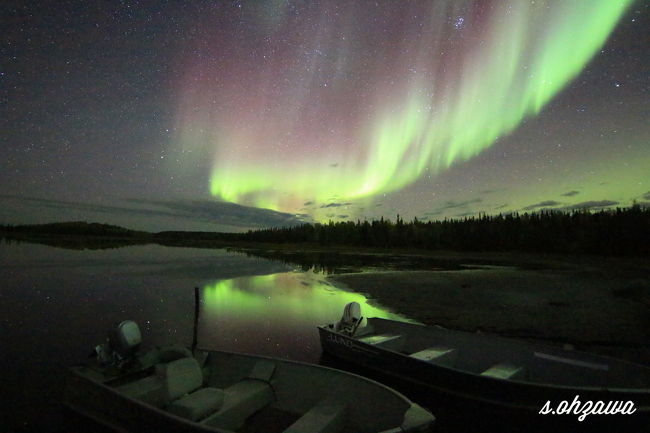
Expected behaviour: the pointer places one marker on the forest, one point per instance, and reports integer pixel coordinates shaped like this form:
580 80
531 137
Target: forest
617 232
623 231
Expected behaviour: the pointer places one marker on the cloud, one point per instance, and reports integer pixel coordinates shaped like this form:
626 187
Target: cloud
335 205
308 203
224 212
501 207
336 164
343 216
570 193
593 204
646 196
547 203
466 214
181 212
451 204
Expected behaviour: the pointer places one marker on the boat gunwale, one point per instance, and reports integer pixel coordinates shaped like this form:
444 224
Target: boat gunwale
76 370
550 386
315 366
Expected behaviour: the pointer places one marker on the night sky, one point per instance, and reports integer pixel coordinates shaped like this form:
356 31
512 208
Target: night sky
235 115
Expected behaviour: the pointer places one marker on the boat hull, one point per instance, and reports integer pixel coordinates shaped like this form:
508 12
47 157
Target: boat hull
297 388
104 406
466 388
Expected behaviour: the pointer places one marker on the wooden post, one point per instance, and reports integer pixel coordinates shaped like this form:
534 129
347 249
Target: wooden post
196 320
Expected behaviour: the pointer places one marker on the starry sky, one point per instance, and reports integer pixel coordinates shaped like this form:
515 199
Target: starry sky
232 115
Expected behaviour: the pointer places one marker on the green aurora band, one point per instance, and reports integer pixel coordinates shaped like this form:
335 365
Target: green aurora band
523 55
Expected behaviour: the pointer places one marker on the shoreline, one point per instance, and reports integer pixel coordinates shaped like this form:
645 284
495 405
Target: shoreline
597 304
586 309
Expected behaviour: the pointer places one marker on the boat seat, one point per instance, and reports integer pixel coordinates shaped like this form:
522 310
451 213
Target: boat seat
150 390
180 377
170 381
198 404
438 354
505 371
327 416
183 379
384 341
244 398
173 385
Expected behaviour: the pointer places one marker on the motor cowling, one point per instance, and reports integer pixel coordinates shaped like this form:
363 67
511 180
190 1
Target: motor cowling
350 320
121 346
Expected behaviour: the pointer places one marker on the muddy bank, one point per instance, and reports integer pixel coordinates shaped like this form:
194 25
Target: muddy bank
593 309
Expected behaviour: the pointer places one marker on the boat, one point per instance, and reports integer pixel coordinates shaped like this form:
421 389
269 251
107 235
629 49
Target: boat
482 370
172 389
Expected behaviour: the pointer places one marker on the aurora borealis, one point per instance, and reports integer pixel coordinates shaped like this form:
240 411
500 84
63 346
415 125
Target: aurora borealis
323 110
352 113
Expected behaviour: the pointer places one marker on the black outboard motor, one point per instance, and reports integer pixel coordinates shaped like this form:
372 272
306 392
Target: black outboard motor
122 344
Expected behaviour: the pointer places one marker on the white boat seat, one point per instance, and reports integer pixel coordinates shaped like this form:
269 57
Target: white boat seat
150 390
172 384
437 354
169 382
198 404
385 341
244 398
505 371
180 377
182 381
327 416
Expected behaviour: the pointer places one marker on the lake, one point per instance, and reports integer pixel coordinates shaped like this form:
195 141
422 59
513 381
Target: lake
57 304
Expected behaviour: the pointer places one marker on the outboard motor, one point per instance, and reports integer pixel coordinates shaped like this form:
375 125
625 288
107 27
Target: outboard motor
351 319
121 346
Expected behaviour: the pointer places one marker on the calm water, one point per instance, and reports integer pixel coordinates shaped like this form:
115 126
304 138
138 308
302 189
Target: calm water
57 304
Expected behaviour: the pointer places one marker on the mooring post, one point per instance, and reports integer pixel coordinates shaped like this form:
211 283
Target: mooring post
196 320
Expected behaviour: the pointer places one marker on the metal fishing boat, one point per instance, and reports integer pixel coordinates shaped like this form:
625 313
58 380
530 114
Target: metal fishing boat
485 370
172 389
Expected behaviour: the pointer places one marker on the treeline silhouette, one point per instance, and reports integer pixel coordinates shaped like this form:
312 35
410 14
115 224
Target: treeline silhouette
73 228
623 231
